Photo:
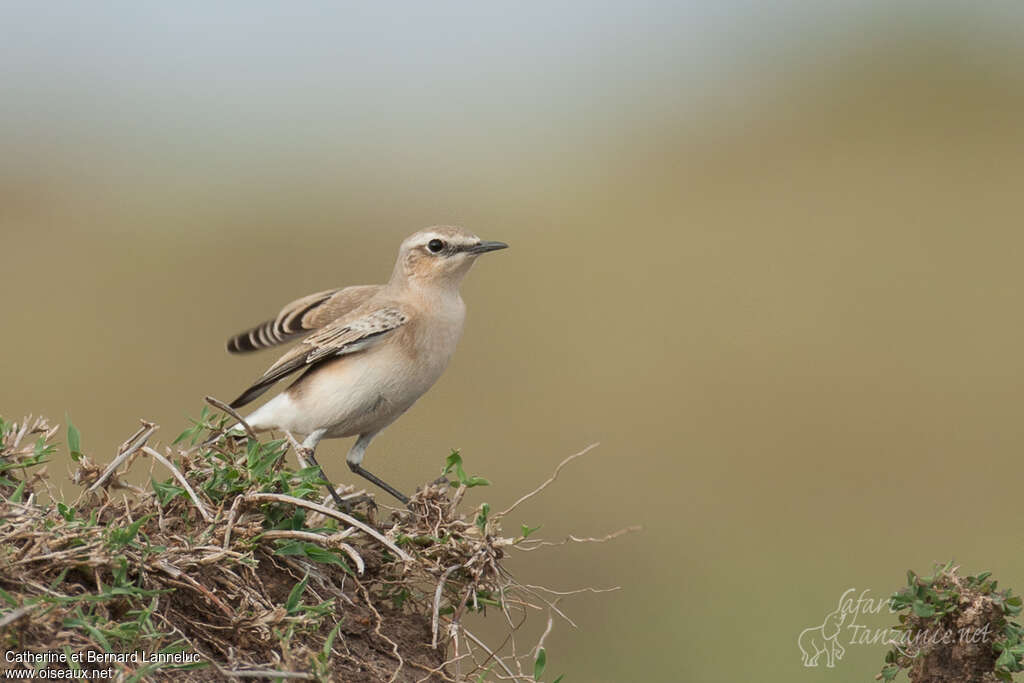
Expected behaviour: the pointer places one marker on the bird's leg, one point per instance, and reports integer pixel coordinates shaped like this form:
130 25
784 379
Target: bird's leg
355 459
308 449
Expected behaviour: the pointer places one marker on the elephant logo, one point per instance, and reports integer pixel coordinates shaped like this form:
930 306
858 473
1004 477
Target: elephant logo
818 640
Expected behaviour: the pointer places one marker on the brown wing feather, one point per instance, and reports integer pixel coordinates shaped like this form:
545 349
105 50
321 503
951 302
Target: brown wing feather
340 338
300 316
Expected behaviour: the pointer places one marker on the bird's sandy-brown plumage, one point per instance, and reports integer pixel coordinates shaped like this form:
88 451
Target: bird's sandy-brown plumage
343 336
370 351
300 316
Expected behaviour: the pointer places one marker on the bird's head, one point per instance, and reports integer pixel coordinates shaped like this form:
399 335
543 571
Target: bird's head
440 256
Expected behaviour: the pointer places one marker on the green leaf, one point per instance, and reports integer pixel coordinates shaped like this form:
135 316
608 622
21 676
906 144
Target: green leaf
92 630
165 493
133 528
538 666
124 536
559 679
69 659
60 577
313 552
8 598
292 548
454 461
1006 660
18 493
74 440
68 513
41 447
120 572
318 554
527 530
192 433
329 643
481 519
295 596
923 609
901 601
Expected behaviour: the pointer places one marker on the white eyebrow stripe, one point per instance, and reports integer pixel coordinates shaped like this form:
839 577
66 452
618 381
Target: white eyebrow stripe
426 239
457 241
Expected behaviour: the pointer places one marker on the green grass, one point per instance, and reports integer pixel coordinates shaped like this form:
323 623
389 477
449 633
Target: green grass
250 581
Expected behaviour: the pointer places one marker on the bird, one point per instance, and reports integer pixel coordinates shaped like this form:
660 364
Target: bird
367 352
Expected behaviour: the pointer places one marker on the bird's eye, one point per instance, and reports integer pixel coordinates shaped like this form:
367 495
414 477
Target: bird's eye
435 246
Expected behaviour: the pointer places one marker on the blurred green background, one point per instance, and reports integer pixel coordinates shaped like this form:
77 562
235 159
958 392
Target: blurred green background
768 254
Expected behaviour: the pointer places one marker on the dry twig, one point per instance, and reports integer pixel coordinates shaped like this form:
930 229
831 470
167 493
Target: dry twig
219 586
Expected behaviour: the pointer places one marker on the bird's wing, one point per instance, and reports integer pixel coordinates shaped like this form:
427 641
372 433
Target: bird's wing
345 336
300 316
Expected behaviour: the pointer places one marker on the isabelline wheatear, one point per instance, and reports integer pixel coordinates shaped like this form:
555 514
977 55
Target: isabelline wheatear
370 351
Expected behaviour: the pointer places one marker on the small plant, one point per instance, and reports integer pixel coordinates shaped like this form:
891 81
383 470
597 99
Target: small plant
955 628
232 566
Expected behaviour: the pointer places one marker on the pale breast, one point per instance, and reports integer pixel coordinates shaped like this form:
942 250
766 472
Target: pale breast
366 391
431 338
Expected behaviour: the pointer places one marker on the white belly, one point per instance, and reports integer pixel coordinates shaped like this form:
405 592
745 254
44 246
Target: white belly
358 394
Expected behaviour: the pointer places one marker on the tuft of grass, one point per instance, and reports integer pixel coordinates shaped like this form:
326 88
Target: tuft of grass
955 627
235 560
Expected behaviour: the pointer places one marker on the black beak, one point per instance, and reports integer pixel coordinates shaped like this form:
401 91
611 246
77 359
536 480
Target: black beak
485 247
